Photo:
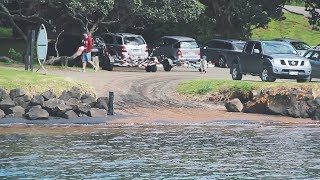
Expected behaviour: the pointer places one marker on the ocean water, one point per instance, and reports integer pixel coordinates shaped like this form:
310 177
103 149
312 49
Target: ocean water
210 151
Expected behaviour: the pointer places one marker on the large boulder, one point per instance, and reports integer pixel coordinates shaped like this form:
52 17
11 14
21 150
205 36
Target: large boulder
56 107
37 113
17 111
48 95
17 93
82 108
88 99
234 105
70 115
6 104
22 101
37 100
74 92
97 113
2 114
3 94
102 103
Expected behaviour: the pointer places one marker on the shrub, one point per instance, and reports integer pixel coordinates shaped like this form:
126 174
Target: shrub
15 55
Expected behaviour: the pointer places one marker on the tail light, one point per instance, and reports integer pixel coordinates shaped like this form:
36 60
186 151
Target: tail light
179 53
147 49
123 49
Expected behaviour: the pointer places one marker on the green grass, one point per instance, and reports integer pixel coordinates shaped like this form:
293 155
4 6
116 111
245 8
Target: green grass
5 32
207 86
294 26
36 83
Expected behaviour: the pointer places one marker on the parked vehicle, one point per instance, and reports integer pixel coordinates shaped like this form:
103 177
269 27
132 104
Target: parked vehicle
218 51
314 56
176 50
125 47
300 46
270 60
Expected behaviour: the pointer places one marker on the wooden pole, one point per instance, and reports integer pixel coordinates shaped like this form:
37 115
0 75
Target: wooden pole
110 104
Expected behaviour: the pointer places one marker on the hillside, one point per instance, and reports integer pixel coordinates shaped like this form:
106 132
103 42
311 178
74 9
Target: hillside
293 26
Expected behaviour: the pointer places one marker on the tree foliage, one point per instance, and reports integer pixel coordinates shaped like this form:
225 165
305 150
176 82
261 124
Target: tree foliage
313 6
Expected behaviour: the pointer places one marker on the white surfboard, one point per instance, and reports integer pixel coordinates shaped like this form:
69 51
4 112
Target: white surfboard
42 46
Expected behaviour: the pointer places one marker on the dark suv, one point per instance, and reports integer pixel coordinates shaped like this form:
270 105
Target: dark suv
218 51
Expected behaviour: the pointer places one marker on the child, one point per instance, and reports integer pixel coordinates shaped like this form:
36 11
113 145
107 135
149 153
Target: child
203 65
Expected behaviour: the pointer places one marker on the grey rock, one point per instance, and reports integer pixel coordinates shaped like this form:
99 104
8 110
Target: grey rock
36 113
102 103
2 114
6 104
17 111
37 100
82 108
70 115
17 93
22 101
234 105
97 113
88 99
48 95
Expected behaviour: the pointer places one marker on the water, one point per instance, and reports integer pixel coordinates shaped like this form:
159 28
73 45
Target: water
216 151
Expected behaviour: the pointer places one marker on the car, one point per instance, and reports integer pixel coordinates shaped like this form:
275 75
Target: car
218 51
180 49
314 56
125 46
270 60
300 46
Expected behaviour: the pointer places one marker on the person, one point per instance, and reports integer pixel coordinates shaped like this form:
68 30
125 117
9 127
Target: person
203 65
86 54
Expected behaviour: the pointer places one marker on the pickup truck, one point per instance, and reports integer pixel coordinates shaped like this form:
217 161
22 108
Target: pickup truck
270 60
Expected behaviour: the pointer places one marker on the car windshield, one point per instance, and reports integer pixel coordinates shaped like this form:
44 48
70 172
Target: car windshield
278 48
239 46
300 45
188 44
133 40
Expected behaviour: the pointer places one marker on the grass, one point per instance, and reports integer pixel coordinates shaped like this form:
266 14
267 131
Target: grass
294 26
5 32
208 86
35 83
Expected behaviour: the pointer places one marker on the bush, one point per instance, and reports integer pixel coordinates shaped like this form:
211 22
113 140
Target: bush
15 55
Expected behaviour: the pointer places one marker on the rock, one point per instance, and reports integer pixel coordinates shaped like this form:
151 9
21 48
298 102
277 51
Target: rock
17 93
97 113
48 95
75 92
30 107
22 101
65 96
234 105
102 103
2 114
3 94
88 99
17 111
73 102
6 104
258 106
54 107
82 109
36 113
70 115
37 100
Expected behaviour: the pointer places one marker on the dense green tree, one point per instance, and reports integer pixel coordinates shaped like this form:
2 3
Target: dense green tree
313 6
237 18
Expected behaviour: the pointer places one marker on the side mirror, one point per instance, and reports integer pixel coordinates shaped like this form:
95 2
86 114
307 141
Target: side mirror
256 51
205 47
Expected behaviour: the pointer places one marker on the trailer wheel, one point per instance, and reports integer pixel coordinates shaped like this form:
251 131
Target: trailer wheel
148 68
154 68
166 65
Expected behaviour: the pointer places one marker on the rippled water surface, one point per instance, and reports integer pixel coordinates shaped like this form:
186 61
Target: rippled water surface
161 152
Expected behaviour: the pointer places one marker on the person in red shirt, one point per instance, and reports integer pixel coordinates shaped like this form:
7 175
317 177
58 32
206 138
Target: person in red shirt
86 54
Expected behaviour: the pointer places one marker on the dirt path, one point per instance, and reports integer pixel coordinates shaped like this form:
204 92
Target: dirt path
151 97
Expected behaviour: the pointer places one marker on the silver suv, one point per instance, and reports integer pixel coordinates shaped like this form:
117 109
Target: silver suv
126 46
177 48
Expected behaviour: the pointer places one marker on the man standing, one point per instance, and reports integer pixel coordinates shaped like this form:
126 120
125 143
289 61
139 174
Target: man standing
86 55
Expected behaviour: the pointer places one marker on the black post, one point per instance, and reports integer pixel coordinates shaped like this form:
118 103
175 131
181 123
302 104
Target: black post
27 56
110 103
33 36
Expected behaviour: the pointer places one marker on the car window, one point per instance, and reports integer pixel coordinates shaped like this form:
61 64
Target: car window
227 45
189 44
119 40
133 40
239 46
278 48
315 56
249 47
108 39
308 54
300 45
257 45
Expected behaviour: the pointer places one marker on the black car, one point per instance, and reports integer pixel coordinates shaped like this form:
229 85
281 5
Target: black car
219 51
314 56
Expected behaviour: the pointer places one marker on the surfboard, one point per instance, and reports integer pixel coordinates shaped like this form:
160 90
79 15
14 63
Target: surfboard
42 46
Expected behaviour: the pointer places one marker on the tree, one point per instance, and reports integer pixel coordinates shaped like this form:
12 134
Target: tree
237 18
313 7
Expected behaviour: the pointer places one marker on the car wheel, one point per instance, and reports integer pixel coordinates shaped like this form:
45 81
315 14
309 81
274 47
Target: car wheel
166 65
264 75
148 68
304 80
154 68
222 62
236 75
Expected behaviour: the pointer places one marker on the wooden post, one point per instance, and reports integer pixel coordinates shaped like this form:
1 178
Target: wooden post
110 104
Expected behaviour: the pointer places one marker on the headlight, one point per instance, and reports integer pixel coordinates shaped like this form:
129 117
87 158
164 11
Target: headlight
276 61
307 63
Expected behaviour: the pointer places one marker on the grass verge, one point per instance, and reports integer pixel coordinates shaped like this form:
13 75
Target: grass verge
35 83
294 26
209 86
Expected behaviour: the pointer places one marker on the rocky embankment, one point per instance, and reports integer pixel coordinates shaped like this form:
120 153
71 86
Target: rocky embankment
70 104
292 102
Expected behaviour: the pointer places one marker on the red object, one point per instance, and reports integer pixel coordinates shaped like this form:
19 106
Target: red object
123 49
179 53
87 43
